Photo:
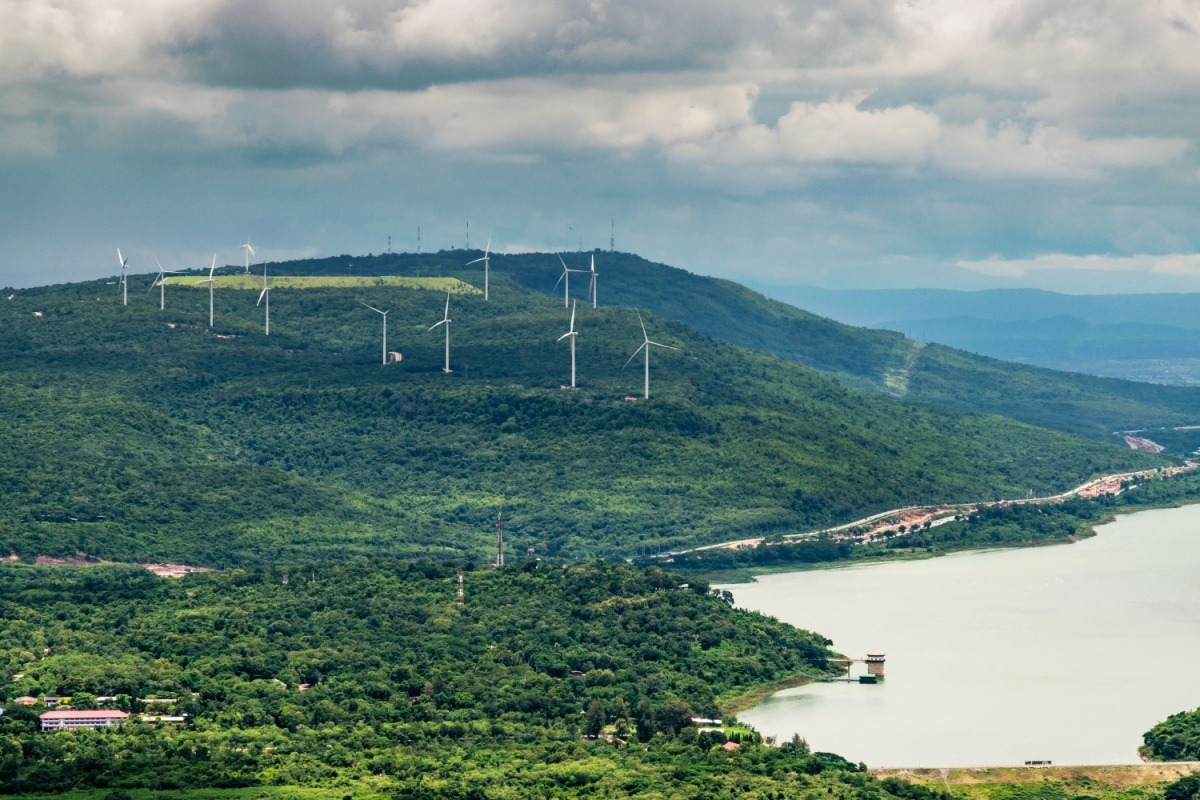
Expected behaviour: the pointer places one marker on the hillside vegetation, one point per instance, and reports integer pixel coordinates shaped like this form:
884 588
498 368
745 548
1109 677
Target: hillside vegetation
884 362
405 693
136 433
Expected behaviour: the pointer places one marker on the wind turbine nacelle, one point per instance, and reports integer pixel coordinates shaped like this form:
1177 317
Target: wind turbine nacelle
394 357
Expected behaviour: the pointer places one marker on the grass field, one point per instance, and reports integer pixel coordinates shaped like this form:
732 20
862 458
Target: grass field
254 282
1112 782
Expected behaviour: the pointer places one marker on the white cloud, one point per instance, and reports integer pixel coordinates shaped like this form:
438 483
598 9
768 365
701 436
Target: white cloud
1185 264
820 133
1012 150
27 138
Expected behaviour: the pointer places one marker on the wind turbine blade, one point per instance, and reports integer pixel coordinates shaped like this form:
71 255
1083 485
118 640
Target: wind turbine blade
436 324
660 344
632 357
487 249
120 258
593 265
476 261
560 280
213 267
573 314
565 335
261 296
373 308
446 314
645 335
251 249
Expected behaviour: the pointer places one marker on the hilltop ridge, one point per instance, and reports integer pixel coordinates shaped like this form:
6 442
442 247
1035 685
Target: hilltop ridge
140 434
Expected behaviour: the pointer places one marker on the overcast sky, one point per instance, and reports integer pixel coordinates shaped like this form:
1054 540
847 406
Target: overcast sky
843 143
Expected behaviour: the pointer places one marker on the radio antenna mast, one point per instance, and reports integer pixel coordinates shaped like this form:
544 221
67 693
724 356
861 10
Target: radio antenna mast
612 234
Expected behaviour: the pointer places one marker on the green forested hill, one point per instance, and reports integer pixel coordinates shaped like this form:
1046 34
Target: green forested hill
880 361
369 678
139 433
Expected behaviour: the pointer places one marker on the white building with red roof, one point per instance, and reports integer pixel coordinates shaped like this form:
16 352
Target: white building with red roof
70 720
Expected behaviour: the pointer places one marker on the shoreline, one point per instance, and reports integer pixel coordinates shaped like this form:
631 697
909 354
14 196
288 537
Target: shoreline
746 575
752 697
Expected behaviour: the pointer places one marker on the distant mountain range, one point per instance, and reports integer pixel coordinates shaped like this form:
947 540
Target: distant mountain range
1144 337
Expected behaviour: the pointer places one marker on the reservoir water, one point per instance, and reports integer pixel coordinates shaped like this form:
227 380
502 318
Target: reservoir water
1065 653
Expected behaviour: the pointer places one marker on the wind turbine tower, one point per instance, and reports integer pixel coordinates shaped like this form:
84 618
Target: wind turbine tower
124 280
161 283
211 283
593 287
266 295
646 345
445 321
384 313
249 252
565 280
571 332
500 539
487 266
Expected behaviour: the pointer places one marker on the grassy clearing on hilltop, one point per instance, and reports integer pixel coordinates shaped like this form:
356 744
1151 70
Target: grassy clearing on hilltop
253 282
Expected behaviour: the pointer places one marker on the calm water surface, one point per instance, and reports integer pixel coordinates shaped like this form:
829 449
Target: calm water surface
1067 653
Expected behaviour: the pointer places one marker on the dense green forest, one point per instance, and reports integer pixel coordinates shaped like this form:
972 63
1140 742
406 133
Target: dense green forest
409 694
138 434
879 361
1177 738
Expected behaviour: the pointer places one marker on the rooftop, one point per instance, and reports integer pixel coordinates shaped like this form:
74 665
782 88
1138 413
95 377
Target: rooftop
95 714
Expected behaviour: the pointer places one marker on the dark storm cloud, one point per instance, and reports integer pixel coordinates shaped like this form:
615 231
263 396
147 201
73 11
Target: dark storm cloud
412 46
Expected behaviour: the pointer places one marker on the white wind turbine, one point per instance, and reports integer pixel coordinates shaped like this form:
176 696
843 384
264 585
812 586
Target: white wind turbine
124 282
445 321
646 345
565 280
593 287
572 333
384 313
487 266
161 283
249 252
211 283
266 295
